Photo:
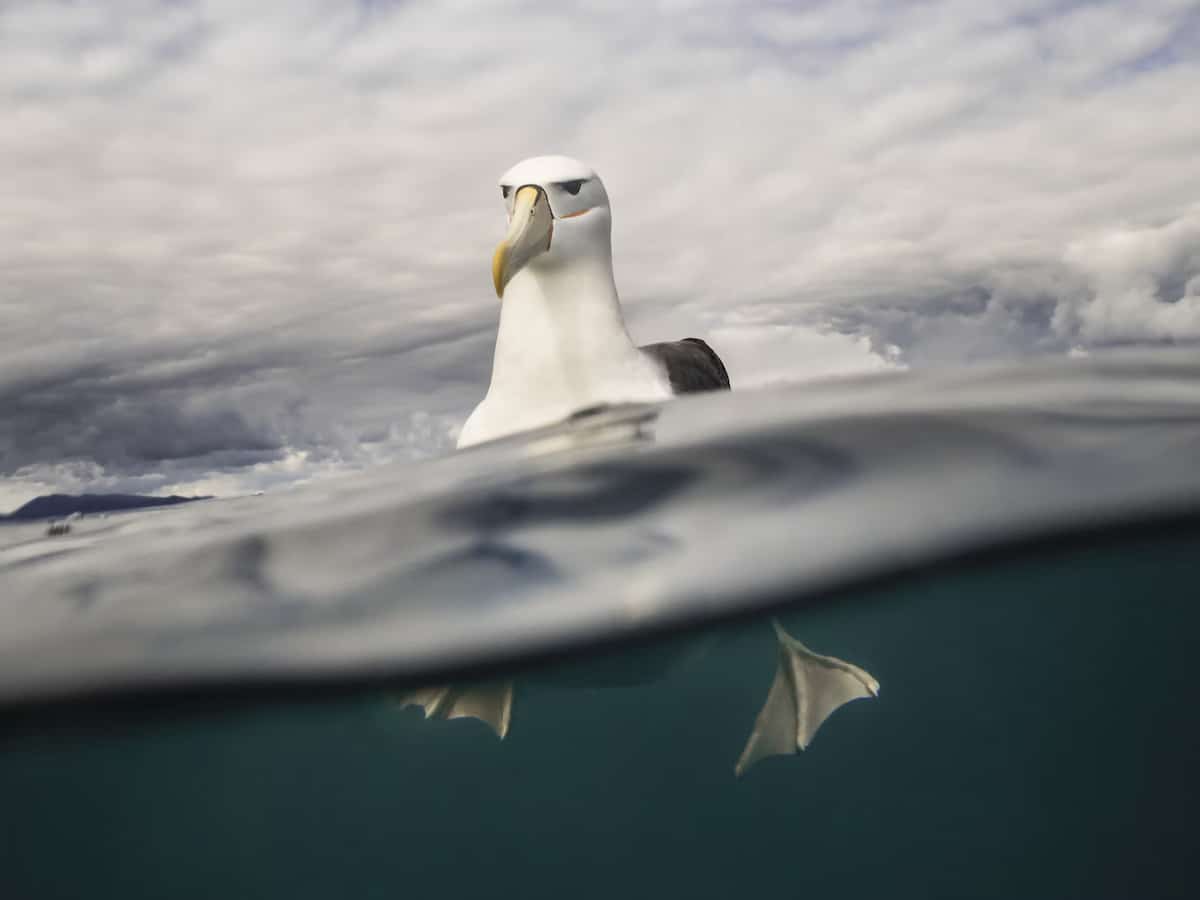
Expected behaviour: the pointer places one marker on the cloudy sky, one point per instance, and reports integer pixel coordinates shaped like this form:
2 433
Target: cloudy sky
246 244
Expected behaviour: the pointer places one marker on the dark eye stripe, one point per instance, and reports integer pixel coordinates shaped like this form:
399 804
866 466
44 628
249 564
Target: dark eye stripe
572 187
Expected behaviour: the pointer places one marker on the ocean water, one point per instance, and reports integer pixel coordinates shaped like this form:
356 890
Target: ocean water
205 701
1034 736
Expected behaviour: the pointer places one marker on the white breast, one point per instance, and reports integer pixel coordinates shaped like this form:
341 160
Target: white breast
561 346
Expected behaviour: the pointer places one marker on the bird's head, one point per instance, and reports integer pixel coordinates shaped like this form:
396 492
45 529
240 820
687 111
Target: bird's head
557 212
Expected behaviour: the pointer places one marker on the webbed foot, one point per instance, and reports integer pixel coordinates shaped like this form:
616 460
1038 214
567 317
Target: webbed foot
490 702
807 689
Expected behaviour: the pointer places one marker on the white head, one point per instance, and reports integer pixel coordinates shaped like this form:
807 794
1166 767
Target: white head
558 213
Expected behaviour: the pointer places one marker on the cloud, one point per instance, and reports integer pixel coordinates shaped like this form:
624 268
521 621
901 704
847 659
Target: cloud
248 243
1142 283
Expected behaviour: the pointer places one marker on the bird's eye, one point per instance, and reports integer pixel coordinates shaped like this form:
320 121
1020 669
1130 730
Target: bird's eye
572 187
505 190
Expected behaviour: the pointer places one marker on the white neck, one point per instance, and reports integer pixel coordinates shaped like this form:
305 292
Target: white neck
558 323
562 346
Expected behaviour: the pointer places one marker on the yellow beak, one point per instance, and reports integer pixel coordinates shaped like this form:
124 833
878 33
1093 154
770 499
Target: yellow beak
530 231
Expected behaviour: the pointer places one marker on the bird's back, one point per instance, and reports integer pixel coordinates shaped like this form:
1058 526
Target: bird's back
691 365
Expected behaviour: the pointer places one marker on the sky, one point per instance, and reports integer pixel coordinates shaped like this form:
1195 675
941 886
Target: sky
247 245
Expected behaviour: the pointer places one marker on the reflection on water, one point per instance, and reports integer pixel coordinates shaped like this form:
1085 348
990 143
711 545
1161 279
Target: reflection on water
806 690
617 522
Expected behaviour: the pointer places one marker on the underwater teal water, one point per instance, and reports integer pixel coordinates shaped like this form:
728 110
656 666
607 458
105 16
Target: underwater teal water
1035 736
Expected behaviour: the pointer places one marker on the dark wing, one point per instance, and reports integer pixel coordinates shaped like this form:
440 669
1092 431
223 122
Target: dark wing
691 364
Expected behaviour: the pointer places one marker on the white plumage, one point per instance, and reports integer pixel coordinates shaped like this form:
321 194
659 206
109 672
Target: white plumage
562 343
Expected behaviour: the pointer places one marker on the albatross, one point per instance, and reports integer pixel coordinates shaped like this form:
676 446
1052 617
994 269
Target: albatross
562 344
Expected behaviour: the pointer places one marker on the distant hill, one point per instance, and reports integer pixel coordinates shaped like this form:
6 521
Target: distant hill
56 506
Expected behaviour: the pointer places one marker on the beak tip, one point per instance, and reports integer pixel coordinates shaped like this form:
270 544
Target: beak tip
499 265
